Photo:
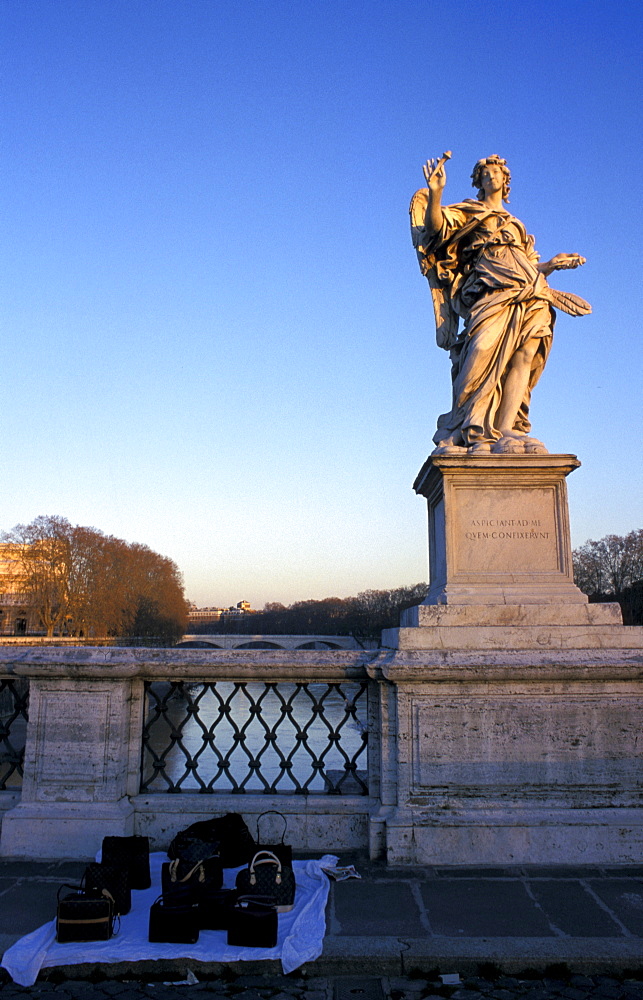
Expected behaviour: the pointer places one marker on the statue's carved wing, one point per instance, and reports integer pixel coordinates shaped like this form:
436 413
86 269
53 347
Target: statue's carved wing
446 320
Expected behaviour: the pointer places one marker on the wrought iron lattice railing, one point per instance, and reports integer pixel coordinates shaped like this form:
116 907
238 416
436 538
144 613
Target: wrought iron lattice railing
14 707
297 738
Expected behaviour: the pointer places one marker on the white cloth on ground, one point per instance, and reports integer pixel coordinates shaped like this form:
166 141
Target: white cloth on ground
301 932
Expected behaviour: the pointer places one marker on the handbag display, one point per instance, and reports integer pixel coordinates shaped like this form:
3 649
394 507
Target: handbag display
228 835
173 922
131 854
266 876
115 880
81 917
253 923
280 849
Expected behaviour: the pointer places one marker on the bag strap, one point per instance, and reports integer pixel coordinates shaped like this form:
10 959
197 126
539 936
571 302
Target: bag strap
254 901
78 889
272 812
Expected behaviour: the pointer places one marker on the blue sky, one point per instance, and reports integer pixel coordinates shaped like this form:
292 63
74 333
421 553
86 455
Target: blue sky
216 339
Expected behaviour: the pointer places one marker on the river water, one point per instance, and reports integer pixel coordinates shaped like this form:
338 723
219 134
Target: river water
259 737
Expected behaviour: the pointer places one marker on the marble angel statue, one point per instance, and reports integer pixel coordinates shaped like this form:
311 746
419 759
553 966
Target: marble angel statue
482 268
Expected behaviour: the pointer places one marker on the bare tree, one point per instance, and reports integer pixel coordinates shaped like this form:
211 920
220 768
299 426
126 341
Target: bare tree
610 565
80 580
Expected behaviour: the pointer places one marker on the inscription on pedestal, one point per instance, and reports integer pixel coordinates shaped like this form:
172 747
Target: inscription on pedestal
504 531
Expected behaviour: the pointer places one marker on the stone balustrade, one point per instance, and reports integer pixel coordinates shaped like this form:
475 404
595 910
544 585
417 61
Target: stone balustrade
82 760
478 753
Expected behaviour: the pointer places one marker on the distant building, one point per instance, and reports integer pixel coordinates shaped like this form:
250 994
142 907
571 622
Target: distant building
16 616
211 616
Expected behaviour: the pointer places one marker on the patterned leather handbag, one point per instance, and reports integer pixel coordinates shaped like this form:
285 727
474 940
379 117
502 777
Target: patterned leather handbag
266 876
114 880
279 849
133 855
191 879
81 917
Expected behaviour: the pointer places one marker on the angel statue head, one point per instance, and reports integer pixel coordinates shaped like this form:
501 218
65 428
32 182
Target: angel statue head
476 176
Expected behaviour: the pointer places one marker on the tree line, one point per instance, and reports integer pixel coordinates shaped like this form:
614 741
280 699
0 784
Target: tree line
363 616
611 569
81 582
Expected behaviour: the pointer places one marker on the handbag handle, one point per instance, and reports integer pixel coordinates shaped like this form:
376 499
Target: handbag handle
273 812
174 871
266 858
262 901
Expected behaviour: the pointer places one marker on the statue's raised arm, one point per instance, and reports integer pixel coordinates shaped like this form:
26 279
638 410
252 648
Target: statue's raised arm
482 268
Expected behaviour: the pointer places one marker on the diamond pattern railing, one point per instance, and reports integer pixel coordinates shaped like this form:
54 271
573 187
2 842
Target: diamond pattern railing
14 707
255 736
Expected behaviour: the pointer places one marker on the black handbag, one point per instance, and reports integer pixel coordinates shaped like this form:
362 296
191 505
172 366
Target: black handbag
191 880
115 880
266 876
81 917
131 854
228 835
253 923
280 849
215 909
173 922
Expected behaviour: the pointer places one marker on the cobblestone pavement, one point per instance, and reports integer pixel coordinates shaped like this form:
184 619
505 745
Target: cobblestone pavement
487 986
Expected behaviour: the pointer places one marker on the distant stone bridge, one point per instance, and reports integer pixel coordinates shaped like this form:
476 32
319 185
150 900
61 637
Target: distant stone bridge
271 642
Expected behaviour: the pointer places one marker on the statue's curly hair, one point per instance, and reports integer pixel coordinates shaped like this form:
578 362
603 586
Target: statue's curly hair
476 176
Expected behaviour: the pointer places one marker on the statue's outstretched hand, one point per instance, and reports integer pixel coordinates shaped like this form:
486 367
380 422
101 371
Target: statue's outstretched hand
435 175
562 261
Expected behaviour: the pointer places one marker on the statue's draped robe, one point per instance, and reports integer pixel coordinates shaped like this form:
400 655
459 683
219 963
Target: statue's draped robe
481 266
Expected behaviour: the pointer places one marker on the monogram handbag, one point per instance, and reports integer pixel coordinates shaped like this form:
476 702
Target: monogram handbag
115 880
192 880
253 923
173 921
131 854
266 876
280 849
81 917
228 836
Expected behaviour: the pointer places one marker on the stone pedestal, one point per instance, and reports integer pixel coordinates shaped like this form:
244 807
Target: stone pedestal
499 529
511 707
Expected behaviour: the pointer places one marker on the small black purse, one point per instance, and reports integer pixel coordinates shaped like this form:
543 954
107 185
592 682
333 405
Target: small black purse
131 854
253 923
173 922
266 876
81 917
